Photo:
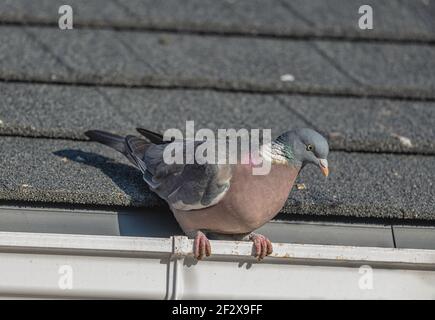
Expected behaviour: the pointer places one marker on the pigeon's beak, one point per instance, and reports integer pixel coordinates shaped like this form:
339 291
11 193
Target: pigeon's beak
323 163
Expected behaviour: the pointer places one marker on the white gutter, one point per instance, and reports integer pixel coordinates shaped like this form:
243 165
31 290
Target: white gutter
82 266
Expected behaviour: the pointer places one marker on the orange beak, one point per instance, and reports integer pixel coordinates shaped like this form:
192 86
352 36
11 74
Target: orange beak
323 163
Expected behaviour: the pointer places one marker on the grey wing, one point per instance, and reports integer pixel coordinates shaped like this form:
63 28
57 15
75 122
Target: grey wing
184 186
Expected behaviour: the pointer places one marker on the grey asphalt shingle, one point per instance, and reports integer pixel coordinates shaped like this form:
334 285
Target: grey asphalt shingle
374 125
369 185
201 70
69 172
67 111
352 124
393 19
235 63
361 185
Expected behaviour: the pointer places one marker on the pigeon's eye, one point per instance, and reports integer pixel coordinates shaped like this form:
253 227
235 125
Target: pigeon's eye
310 147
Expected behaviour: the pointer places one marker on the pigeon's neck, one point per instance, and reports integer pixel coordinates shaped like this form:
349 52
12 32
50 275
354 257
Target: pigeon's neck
277 152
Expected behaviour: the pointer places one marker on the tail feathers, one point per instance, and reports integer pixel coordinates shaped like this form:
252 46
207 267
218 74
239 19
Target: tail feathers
132 147
154 137
109 139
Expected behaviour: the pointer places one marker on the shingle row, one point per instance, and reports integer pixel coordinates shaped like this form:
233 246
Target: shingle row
229 63
367 125
392 20
362 185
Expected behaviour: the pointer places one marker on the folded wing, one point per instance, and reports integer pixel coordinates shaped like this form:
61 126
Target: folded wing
183 186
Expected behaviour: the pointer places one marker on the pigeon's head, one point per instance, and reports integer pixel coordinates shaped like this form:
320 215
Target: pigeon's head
306 146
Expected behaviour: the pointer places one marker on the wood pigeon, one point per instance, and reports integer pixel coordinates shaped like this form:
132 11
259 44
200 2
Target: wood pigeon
222 201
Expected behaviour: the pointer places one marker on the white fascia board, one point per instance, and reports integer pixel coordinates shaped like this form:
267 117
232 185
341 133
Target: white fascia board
39 242
36 265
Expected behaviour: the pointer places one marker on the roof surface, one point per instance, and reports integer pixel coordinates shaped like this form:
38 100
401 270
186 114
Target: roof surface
156 64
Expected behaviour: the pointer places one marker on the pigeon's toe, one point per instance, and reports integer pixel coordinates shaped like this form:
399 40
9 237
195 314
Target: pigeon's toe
201 246
262 246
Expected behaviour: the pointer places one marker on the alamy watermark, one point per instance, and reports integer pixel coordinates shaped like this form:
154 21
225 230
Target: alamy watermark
66 277
365 282
66 19
230 146
366 20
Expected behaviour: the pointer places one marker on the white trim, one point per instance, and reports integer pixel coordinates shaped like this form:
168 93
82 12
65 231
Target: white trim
184 248
132 267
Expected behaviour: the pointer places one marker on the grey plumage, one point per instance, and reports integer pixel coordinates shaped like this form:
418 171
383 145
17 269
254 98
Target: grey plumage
298 141
183 186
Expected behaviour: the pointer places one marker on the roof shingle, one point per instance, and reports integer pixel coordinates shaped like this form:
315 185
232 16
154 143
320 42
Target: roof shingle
366 125
230 63
375 99
360 185
394 19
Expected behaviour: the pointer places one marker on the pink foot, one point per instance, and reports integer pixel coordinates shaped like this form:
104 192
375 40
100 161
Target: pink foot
201 246
262 245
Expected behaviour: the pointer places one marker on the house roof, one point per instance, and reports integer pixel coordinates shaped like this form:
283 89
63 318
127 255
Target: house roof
156 64
401 20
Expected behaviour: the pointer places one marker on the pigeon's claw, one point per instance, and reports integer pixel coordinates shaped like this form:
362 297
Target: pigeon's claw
201 246
262 246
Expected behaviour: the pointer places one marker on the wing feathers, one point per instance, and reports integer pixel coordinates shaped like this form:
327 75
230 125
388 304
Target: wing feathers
183 186
154 137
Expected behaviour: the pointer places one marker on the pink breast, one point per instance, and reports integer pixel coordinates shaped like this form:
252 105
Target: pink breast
250 202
